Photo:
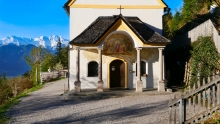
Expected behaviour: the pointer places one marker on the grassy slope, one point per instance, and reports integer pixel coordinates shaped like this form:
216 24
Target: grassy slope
13 101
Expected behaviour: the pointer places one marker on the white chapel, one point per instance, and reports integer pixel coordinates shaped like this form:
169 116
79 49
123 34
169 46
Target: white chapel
116 44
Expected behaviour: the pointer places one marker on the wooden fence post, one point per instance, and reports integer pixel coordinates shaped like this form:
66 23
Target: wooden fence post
184 110
213 95
218 93
174 114
170 114
199 95
209 98
180 111
194 99
204 93
175 110
190 97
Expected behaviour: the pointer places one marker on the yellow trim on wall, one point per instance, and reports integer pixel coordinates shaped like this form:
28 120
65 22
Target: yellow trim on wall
115 6
72 2
126 71
131 33
154 44
72 5
161 3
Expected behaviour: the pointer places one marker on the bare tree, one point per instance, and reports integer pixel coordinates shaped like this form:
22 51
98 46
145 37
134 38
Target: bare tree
34 59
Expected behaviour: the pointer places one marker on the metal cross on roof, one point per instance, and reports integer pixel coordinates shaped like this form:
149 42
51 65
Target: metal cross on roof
120 9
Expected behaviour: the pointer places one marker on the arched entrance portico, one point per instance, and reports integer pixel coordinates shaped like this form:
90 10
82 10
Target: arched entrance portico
120 46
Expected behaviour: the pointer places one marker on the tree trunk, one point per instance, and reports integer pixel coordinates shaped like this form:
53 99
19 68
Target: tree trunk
15 90
36 75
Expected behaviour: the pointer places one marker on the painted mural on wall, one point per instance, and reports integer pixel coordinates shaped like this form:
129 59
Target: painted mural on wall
117 44
92 55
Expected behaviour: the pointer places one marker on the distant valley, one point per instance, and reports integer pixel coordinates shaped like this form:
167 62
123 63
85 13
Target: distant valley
13 49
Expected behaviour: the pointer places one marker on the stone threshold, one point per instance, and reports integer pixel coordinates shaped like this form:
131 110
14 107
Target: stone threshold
92 94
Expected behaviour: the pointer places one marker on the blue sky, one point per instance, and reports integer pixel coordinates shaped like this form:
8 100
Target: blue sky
34 18
174 4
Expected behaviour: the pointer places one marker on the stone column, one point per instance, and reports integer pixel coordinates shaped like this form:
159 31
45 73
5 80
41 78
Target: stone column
139 84
100 82
161 85
77 82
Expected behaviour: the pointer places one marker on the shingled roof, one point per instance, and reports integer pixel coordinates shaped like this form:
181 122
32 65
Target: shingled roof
103 23
66 7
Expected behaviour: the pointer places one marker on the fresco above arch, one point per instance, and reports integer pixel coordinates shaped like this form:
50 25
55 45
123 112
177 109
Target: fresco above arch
118 44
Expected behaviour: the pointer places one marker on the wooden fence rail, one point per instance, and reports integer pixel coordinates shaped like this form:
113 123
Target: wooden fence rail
197 103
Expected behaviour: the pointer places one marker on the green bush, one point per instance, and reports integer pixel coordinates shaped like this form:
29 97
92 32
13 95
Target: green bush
204 59
12 87
5 92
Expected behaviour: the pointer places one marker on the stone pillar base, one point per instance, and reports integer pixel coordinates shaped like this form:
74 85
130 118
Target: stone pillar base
100 86
139 86
77 86
161 86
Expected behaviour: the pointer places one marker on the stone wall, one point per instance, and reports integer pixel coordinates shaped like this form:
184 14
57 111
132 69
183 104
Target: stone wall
47 76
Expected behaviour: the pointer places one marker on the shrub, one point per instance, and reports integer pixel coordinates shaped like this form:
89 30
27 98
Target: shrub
5 92
12 87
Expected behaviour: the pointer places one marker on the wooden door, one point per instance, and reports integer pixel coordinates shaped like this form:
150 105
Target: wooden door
117 74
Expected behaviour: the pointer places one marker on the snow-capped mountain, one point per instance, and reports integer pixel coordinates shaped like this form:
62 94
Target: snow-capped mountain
14 48
44 41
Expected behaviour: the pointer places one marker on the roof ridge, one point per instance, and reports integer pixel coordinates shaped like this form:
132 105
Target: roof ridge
86 29
116 19
93 23
102 24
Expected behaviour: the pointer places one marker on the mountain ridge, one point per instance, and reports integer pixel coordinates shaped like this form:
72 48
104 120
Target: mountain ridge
14 48
49 42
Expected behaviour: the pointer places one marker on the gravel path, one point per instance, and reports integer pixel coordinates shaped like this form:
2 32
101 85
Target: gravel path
43 106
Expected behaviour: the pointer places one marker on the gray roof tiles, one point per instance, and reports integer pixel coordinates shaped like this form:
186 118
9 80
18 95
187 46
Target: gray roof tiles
103 23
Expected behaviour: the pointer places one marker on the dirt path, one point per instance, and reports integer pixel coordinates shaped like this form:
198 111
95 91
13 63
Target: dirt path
43 106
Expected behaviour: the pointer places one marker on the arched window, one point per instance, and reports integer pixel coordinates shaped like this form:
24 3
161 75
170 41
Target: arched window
143 68
93 69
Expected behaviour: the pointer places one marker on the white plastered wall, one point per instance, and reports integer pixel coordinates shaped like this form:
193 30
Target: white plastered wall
152 66
81 18
72 68
86 82
91 82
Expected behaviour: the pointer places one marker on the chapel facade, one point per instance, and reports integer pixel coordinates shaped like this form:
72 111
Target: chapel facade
116 43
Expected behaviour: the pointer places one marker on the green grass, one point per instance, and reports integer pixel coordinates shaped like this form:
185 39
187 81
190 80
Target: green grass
215 119
13 101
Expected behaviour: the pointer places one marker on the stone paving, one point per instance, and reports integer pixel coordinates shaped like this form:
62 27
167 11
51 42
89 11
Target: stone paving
48 106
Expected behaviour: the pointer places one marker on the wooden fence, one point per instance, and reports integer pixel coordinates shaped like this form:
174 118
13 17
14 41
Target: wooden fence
196 104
